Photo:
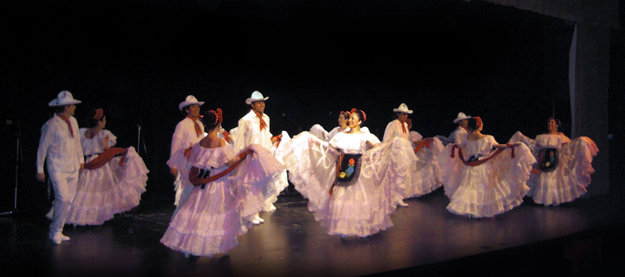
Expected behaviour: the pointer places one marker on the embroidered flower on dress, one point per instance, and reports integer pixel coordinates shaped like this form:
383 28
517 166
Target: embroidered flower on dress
350 170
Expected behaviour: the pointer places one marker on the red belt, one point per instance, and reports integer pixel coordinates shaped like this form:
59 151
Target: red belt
479 162
106 156
197 181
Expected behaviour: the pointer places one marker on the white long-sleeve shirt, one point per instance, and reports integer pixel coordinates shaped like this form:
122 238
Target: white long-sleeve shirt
393 129
58 148
248 132
183 138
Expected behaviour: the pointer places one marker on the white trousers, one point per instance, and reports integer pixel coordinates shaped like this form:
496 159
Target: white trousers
64 185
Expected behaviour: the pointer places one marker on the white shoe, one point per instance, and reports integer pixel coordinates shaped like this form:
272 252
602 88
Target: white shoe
186 255
56 238
257 220
402 204
271 208
64 237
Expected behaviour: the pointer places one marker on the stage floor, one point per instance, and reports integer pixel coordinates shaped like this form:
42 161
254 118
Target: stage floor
426 239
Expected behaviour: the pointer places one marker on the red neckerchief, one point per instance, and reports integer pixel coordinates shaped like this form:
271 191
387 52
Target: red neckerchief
71 131
403 127
198 130
262 122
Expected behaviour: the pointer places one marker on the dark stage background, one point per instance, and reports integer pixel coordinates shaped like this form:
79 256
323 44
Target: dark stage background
139 59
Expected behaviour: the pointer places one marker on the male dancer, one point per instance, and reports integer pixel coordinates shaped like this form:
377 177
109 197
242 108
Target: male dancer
60 147
188 132
462 120
253 128
398 127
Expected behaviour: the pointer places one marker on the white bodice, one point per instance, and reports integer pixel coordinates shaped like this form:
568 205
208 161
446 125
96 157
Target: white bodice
208 158
95 145
481 146
353 143
551 140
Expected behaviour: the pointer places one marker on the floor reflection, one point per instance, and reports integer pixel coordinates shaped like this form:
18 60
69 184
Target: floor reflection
291 242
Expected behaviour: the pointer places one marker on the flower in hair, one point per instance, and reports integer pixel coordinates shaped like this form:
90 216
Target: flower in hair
220 114
216 116
479 121
364 115
99 113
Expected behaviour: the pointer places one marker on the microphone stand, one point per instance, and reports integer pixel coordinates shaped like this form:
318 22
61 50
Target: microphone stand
141 141
17 169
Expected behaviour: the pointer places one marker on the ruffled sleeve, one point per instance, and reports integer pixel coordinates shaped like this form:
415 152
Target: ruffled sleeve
492 141
111 137
415 136
210 157
578 155
551 140
372 138
318 131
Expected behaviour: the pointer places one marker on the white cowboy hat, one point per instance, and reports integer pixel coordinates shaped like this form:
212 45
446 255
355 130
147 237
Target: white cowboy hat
403 108
256 96
461 116
190 100
64 98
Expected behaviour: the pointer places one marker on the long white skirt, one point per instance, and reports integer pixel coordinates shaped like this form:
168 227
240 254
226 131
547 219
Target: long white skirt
361 209
489 189
111 189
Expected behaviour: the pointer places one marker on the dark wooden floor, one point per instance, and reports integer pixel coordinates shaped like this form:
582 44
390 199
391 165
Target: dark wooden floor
583 236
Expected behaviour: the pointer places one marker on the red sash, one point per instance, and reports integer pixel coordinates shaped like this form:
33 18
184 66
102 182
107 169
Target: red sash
427 142
479 162
197 181
106 156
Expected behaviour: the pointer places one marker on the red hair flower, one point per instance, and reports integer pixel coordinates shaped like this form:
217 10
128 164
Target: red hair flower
364 115
99 113
216 116
479 121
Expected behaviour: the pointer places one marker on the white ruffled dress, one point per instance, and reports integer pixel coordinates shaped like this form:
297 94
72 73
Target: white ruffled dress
211 218
491 188
364 207
425 175
111 189
571 176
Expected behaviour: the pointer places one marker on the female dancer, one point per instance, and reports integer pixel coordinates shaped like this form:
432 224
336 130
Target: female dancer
352 182
228 188
108 185
424 172
480 182
562 173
